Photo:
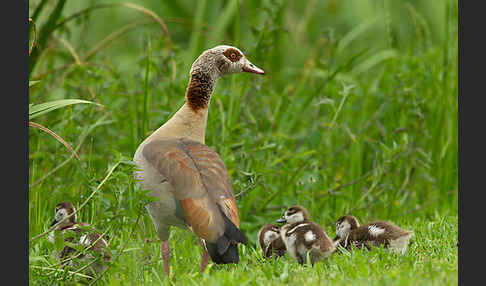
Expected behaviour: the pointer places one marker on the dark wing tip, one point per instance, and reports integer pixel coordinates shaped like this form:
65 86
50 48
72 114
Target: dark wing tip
222 244
229 256
232 232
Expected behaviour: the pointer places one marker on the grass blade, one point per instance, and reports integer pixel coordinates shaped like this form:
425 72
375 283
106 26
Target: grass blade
53 134
36 110
374 60
354 33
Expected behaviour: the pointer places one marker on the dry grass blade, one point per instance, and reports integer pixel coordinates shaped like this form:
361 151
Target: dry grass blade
154 16
83 12
113 36
53 134
130 5
71 50
163 27
93 95
82 139
35 36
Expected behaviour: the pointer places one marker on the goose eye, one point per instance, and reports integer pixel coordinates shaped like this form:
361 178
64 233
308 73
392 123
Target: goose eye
232 54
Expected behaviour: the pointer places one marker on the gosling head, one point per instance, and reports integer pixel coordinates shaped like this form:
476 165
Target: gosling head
345 225
294 214
63 210
222 60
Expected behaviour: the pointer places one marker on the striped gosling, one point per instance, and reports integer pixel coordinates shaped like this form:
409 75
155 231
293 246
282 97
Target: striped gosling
376 233
302 236
87 238
271 242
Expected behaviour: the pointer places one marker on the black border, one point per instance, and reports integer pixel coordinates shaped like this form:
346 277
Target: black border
15 136
471 159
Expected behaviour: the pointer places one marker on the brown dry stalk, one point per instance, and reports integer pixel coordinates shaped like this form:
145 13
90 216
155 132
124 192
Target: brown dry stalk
34 40
93 95
53 134
110 38
154 16
71 50
100 45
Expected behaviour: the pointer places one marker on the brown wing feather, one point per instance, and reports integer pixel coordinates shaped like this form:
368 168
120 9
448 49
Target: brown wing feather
200 182
197 216
210 167
230 210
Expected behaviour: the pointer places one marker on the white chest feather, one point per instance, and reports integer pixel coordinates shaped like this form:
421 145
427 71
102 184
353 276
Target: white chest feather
289 241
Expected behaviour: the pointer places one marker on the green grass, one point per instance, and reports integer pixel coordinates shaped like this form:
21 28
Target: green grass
357 113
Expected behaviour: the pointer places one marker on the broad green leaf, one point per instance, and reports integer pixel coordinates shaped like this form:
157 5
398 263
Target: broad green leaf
39 109
32 82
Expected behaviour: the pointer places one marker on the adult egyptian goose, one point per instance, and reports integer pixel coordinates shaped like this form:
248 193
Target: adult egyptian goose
270 241
190 179
302 236
83 235
376 233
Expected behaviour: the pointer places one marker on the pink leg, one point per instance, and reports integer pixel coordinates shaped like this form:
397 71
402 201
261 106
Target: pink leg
165 250
205 256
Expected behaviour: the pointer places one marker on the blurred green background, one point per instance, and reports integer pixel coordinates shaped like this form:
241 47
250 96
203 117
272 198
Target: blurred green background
357 111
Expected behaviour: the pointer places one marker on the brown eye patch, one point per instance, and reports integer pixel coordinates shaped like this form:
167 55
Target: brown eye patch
232 54
291 211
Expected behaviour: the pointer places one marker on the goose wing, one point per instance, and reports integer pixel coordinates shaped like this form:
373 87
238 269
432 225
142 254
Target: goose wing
201 183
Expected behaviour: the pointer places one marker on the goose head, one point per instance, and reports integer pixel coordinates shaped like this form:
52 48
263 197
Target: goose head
222 60
345 225
294 214
63 210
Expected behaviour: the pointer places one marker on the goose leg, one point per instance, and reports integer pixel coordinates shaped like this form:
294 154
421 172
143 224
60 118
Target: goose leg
205 256
165 250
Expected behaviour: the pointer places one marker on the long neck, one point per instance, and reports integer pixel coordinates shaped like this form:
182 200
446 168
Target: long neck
191 119
199 91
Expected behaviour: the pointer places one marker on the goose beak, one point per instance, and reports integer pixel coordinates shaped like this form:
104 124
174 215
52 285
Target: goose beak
282 220
249 67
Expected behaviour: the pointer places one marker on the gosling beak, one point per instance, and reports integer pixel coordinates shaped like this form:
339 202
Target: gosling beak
53 223
282 220
249 67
